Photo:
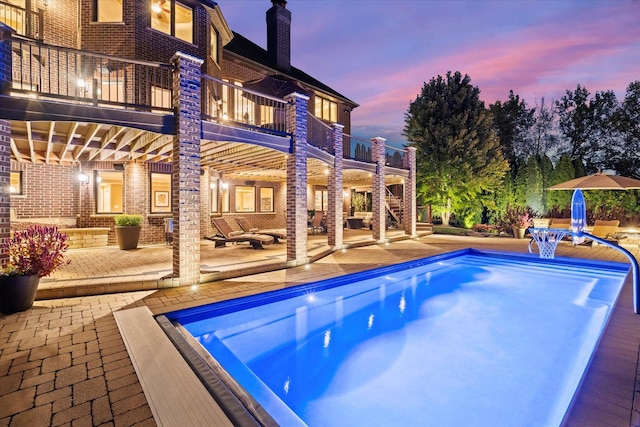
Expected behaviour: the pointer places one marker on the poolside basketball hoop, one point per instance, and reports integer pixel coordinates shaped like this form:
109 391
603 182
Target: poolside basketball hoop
547 240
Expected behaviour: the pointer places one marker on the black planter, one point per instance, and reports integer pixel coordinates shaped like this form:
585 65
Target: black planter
128 236
17 293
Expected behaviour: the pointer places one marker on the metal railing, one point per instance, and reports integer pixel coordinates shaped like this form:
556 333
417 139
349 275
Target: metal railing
356 149
394 157
25 22
228 103
45 71
319 134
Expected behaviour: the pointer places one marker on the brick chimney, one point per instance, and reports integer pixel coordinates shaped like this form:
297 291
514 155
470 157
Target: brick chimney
279 34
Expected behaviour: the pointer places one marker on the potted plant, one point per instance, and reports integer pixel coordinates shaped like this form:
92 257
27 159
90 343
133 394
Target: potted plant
128 230
34 252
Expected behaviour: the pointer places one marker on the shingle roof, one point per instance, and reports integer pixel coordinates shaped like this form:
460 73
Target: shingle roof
242 46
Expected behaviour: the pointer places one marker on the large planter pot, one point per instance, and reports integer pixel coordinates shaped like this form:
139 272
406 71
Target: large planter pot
17 293
518 233
128 236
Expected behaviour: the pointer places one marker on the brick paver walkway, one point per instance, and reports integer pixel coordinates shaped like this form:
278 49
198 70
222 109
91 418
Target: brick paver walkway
64 363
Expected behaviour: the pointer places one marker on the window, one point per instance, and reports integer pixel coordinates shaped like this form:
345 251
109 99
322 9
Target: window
160 192
326 110
235 106
173 18
321 200
214 196
214 45
224 197
245 199
266 199
109 10
109 191
15 183
13 14
160 97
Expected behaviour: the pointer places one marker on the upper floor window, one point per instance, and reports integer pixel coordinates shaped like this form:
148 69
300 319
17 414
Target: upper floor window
15 183
214 45
109 191
326 110
173 18
109 10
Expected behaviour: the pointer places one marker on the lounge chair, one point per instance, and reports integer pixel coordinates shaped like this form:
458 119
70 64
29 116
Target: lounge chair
317 223
247 228
227 235
560 223
606 230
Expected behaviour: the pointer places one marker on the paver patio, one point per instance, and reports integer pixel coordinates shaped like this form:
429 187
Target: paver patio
64 362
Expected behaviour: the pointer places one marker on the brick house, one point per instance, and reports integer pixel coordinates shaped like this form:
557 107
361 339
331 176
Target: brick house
162 110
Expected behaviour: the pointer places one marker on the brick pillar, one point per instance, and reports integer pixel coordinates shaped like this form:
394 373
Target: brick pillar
409 214
335 227
5 139
378 220
297 179
185 178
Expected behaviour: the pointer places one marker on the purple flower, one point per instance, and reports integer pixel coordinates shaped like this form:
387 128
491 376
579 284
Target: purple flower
36 250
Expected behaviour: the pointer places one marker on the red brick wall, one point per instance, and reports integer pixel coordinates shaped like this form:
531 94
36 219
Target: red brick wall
61 23
49 191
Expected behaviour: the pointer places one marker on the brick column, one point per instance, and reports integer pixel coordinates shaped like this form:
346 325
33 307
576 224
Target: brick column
335 227
5 139
185 178
409 214
297 179
378 220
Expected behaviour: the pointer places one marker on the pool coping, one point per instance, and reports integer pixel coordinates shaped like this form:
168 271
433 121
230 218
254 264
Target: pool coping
591 405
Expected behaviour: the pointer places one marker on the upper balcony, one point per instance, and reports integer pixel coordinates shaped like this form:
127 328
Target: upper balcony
27 23
122 110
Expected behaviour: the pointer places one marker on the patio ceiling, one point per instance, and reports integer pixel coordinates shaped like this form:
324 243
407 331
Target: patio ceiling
66 143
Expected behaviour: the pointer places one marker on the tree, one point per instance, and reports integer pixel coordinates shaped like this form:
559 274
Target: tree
459 157
625 156
512 120
564 171
588 125
543 136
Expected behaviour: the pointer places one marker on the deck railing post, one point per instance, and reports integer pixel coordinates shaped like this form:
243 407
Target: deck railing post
334 192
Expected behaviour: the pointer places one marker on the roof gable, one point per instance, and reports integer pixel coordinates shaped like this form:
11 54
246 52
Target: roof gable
245 48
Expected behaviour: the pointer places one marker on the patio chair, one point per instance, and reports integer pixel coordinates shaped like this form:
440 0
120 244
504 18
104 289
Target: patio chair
606 230
247 228
227 235
317 223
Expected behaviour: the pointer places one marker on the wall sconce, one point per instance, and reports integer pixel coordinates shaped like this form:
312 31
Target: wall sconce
224 185
212 186
83 178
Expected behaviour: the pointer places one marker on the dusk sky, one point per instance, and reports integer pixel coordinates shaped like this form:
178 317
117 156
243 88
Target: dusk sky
380 53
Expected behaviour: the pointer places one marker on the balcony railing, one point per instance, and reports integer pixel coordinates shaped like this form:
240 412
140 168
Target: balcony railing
319 134
227 103
25 22
356 149
45 71
394 157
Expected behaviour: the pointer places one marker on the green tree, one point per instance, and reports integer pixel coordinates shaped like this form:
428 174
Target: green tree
588 126
529 186
564 171
459 157
512 120
625 156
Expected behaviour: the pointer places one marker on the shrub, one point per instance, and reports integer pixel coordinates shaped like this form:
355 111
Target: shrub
128 220
36 250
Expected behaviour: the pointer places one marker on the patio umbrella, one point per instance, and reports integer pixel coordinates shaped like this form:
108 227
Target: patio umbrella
599 181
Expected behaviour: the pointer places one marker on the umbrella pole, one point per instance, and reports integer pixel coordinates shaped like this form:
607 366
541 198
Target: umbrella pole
634 268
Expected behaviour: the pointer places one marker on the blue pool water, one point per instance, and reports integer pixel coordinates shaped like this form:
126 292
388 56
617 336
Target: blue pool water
468 338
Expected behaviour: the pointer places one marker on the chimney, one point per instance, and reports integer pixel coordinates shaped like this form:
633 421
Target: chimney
279 35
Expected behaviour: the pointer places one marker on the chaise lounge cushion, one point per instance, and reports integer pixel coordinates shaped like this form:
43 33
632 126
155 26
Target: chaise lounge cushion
226 234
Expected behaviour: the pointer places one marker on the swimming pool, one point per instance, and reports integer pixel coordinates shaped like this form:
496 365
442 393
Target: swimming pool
466 338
